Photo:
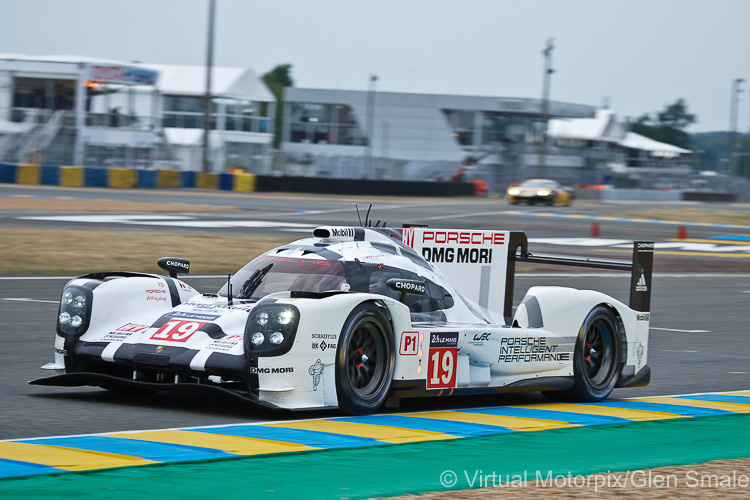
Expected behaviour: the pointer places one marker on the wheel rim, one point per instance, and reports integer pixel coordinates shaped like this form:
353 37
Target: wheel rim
598 361
365 361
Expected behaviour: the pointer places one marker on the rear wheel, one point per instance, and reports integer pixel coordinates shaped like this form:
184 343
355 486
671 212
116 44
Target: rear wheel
596 361
364 360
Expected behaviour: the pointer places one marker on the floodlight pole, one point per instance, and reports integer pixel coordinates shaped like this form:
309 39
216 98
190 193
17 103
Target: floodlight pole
205 164
370 122
736 90
547 52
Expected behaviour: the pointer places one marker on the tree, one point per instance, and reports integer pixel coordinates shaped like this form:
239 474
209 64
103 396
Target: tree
276 79
668 126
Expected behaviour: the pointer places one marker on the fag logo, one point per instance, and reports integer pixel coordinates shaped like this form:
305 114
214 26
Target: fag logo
408 345
323 345
641 285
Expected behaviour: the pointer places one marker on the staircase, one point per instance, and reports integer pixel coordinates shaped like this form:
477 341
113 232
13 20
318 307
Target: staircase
10 143
161 152
39 139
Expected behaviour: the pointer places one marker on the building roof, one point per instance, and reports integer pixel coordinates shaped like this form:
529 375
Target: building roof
605 127
8 127
592 129
637 141
241 83
70 59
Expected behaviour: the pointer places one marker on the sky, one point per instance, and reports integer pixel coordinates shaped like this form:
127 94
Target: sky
637 55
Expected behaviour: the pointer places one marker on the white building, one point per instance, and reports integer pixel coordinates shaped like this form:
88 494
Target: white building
97 112
242 113
389 135
615 150
413 136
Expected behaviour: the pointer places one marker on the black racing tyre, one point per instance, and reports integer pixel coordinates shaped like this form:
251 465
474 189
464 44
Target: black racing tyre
597 358
365 359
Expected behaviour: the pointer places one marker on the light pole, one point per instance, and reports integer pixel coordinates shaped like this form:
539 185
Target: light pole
736 90
207 98
547 52
370 134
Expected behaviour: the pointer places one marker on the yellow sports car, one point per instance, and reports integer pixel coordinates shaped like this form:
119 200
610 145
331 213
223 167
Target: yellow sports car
544 191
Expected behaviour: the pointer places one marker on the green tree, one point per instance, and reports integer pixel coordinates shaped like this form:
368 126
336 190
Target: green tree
668 125
276 79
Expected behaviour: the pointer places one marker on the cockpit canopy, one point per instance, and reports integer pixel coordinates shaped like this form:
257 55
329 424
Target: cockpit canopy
269 274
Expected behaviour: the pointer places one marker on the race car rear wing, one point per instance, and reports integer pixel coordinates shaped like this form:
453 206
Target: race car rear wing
640 268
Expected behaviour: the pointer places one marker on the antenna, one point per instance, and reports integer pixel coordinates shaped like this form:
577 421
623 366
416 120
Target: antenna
367 217
229 289
358 216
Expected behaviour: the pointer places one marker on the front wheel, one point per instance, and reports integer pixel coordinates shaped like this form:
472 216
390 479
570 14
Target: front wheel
365 360
596 361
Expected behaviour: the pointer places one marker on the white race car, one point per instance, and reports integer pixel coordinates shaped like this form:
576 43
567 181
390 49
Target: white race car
357 316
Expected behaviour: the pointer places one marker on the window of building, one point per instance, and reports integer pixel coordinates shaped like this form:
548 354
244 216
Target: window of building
226 114
494 127
325 124
43 93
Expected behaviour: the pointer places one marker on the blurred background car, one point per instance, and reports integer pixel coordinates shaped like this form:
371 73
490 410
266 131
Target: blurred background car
543 191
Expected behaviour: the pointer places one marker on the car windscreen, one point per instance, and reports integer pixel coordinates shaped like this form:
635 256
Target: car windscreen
539 184
270 274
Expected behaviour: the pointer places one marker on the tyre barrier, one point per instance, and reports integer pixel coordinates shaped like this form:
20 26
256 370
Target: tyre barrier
126 178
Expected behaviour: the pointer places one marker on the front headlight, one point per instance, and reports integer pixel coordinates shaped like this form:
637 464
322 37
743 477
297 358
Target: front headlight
514 191
74 313
542 193
271 328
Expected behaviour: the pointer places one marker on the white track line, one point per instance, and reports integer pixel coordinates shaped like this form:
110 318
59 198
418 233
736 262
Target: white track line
23 299
680 331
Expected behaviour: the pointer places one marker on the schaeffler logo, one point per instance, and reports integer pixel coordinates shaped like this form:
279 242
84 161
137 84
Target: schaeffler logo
316 371
641 286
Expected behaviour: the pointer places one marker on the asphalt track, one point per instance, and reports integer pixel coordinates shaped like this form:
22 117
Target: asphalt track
698 343
698 338
280 214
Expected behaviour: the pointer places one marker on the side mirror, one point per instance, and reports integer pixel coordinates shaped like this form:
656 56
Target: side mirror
448 301
174 265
